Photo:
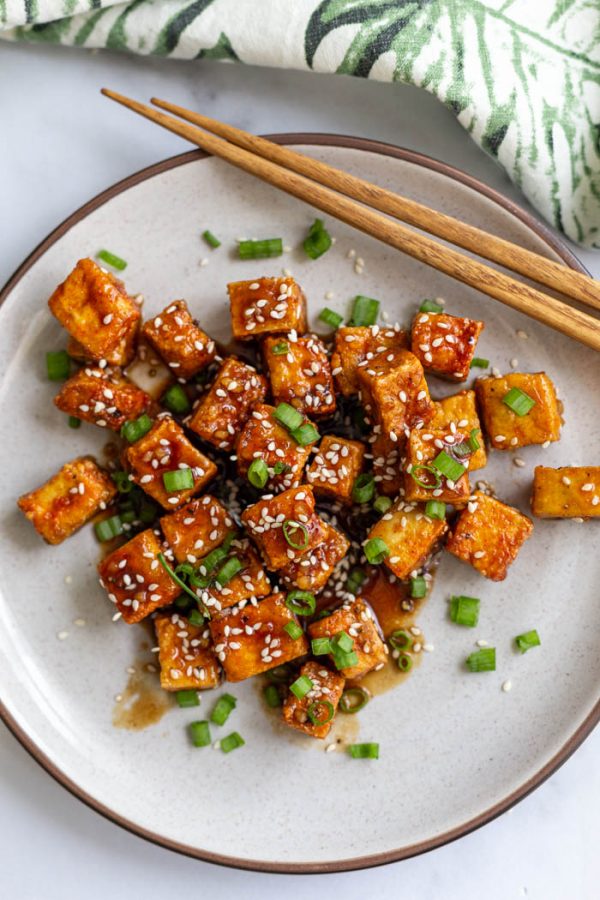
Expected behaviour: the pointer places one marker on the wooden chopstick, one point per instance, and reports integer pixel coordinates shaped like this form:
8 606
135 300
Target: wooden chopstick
557 276
519 296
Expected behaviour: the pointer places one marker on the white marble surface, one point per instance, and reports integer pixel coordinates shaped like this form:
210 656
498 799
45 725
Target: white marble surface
60 144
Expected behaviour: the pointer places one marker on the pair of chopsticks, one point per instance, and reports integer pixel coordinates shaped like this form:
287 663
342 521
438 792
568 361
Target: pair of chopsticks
354 201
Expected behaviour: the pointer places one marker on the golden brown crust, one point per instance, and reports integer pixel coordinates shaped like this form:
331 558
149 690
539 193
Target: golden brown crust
302 375
328 686
102 397
179 340
355 346
356 619
225 408
566 493
409 535
186 655
505 429
445 344
266 306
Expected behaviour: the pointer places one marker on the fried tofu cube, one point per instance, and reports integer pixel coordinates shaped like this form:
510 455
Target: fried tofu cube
409 535
225 408
102 397
98 313
356 346
566 493
134 578
445 344
327 687
356 619
459 413
196 528
507 430
250 582
488 534
336 467
165 448
185 654
312 571
387 463
421 449
266 306
251 639
301 376
68 499
262 437
284 526
179 340
394 392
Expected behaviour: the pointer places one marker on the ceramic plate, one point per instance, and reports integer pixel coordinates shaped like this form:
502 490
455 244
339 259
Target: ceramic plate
455 749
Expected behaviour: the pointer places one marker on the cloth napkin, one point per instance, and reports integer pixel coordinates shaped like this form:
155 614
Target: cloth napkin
521 76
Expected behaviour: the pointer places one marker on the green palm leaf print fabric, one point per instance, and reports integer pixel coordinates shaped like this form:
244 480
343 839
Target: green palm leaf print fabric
521 76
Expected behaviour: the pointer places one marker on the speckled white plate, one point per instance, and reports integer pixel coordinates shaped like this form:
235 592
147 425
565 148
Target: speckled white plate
455 749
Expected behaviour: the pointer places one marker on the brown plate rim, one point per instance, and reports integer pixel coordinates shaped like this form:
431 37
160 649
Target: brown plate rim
389 856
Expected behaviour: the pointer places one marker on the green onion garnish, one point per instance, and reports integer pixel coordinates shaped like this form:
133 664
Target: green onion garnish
302 603
435 509
196 618
272 696
364 751
176 400
320 646
451 469
178 581
376 551
464 611
74 422
295 534
306 434
123 482
109 528
381 504
232 742
483 660
431 306
473 442
229 570
418 587
112 259
404 662
318 240
134 430
517 400
280 468
364 311
200 733
187 698
313 712
280 349
223 709
342 641
288 416
58 365
400 639
280 674
178 480
210 239
301 686
356 578
344 659
426 484
294 630
329 317
364 488
258 473
527 640
260 249
478 362
353 700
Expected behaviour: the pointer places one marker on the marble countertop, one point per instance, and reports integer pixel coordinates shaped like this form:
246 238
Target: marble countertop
58 148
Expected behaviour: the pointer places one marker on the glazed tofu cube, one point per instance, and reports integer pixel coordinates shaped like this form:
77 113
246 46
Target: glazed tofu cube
394 392
507 430
186 656
459 413
179 340
134 578
68 499
301 376
356 619
387 463
250 582
165 448
566 493
356 346
488 534
266 306
327 686
196 528
421 449
98 313
336 467
225 408
312 571
284 526
251 639
445 344
409 535
262 437
102 397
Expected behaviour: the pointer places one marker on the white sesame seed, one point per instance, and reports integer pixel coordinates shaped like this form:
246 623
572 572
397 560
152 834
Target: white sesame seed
506 686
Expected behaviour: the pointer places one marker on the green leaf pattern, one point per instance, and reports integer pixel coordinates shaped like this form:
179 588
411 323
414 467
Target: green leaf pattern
522 76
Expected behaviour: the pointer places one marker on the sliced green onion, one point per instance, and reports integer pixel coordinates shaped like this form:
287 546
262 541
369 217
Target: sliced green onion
400 639
196 618
176 400
353 700
200 733
464 611
426 484
109 528
473 442
280 349
187 698
232 742
342 641
74 422
184 570
329 317
182 603
478 362
301 686
288 416
404 662
376 551
258 473
306 434
320 646
58 365
260 249
364 751
431 306
483 660
178 480
381 504
451 469
302 603
364 311
294 630
418 587
435 509
223 709
123 482
364 488
229 570
280 468
527 640
356 578
178 581
210 239
318 240
112 260
345 660
462 450
517 400
134 430
295 534
272 696
313 712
